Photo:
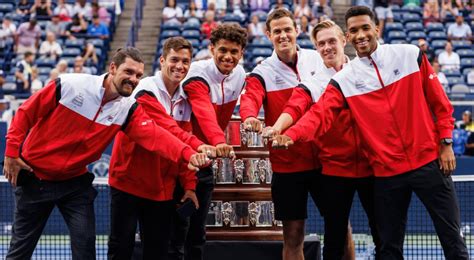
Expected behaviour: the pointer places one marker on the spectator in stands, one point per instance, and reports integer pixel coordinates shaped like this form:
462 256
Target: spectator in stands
50 48
79 66
2 81
411 3
89 54
321 10
6 112
383 10
172 12
98 29
203 54
441 77
470 77
41 8
279 4
102 12
7 31
304 28
193 14
23 73
27 37
83 8
53 74
466 122
23 8
221 6
431 12
425 48
459 30
460 137
56 26
62 67
448 59
36 83
256 28
78 26
447 9
258 7
237 8
209 24
301 8
64 11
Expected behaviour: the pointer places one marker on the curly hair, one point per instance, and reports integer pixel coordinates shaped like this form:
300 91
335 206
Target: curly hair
230 31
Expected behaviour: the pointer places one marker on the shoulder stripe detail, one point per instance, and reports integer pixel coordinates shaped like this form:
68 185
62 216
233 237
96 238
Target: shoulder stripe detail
57 83
257 76
335 84
144 92
130 114
188 81
420 58
306 89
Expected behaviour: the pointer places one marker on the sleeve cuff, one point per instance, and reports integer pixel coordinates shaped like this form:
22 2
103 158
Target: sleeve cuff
292 134
292 113
217 140
187 153
445 133
12 151
195 143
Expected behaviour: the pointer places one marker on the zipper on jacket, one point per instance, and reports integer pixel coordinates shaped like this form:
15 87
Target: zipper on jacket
391 109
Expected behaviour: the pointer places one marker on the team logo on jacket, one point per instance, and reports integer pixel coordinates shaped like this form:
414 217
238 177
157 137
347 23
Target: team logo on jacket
396 72
78 100
359 84
313 72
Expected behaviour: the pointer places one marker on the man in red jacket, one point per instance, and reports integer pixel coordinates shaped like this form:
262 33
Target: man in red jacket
142 182
345 167
405 119
60 130
296 171
213 87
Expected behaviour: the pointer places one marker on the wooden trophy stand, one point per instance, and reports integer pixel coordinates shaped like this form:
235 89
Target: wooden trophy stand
241 207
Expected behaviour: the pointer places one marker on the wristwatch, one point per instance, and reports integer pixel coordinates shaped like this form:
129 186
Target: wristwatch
447 141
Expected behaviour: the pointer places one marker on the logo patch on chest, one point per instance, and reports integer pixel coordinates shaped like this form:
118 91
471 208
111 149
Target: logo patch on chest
78 100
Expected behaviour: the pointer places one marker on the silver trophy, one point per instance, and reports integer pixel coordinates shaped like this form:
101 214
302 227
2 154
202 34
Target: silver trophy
250 138
268 171
239 167
214 216
264 216
223 169
240 214
252 171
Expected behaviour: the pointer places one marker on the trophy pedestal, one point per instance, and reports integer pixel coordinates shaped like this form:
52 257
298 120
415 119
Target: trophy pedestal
241 208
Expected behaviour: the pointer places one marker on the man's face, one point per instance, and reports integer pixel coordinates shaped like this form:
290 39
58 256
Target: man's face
125 77
459 19
330 45
30 59
362 34
283 35
226 55
96 21
466 118
176 65
448 47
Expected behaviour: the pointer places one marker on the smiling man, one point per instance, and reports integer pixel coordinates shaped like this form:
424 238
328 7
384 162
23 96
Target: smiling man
345 167
61 129
142 182
296 171
405 121
213 87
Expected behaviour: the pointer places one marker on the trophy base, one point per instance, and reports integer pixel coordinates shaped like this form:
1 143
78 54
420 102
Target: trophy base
255 235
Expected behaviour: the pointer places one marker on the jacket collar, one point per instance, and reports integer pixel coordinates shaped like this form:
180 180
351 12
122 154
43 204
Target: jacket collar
179 94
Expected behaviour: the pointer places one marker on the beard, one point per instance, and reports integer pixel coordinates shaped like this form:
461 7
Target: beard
122 90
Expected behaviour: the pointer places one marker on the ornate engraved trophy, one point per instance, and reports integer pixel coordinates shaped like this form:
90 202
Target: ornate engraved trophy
242 208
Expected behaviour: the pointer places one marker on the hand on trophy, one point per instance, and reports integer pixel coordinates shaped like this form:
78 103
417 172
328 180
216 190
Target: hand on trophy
190 194
208 150
225 150
197 160
270 132
282 141
252 124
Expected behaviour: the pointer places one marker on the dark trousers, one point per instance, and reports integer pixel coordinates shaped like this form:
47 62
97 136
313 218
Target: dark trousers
339 194
436 192
154 218
189 234
34 202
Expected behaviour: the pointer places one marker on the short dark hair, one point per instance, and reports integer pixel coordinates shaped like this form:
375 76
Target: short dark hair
127 52
28 54
176 43
359 10
230 31
278 14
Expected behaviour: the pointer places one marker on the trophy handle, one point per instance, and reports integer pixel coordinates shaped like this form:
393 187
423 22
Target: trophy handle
226 212
262 168
239 170
254 210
